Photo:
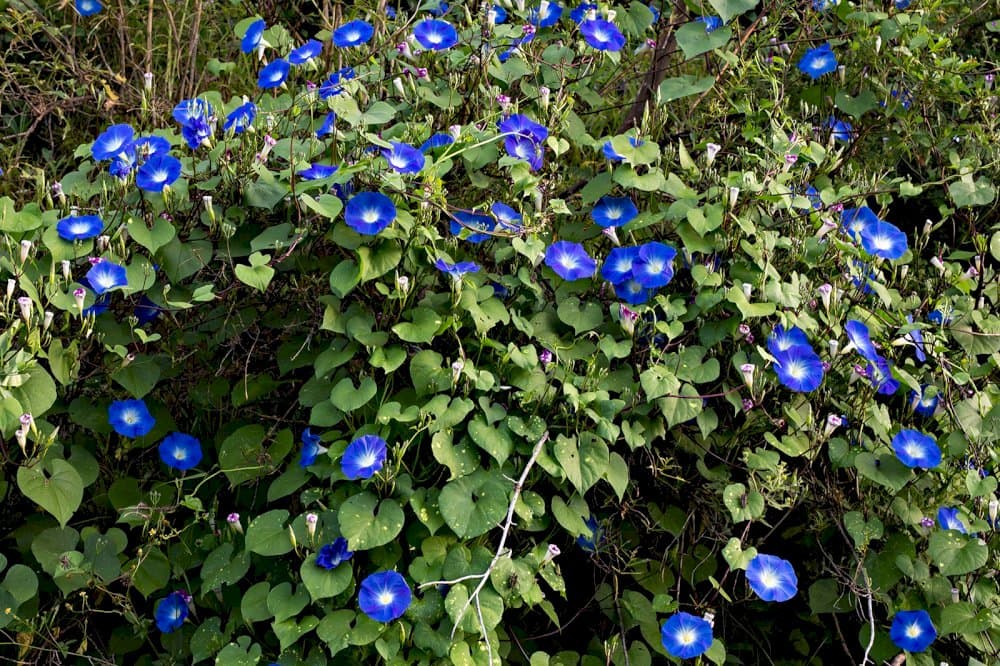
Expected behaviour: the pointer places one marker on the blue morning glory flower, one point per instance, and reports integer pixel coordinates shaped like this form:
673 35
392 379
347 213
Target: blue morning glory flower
925 403
404 158
884 239
917 338
327 126
686 636
123 163
147 146
192 109
171 612
602 35
253 36
618 266
353 33
435 35
520 125
384 596
546 14
510 219
902 4
915 449
310 448
948 520
306 52
456 271
180 451
130 418
772 578
781 340
856 220
799 368
316 171
592 541
440 10
654 266
524 148
79 227
333 554
814 198
500 14
859 336
569 260
368 213
940 318
146 311
196 133
464 219
363 457
823 5
614 211
611 154
818 61
158 172
632 292
840 130
654 10
436 141
88 7
334 84
112 141
579 13
105 276
880 373
241 118
912 631
274 74
712 23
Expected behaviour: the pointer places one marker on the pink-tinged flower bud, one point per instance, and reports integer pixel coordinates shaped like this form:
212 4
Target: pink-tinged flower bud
422 73
94 260
711 150
825 228
833 422
790 159
926 522
545 357
25 304
747 404
311 519
234 522
550 554
544 93
78 296
627 317
938 264
825 290
456 370
27 420
528 29
747 370
147 81
743 330
455 131
47 320
611 234
270 141
403 49
26 246
971 273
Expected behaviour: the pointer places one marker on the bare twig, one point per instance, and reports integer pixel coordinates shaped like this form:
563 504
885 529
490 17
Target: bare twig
500 553
871 618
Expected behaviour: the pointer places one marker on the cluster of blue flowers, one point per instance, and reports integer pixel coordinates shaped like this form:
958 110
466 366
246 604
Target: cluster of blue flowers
637 272
149 157
797 365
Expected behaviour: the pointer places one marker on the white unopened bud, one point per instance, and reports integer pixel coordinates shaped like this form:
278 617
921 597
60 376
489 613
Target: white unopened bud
904 271
491 17
103 242
455 131
610 15
21 434
47 320
79 295
747 370
825 228
612 234
747 289
147 81
825 290
403 284
834 346
311 519
711 150
11 285
993 508
397 83
928 226
25 250
25 304
67 271
456 370
206 200
734 195
833 422
938 264
543 95
878 44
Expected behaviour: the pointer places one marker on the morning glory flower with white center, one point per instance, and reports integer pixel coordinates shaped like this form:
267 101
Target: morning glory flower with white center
105 276
404 158
925 403
546 14
192 109
253 36
472 220
384 596
632 292
617 267
686 636
311 448
861 339
456 271
782 340
79 227
518 124
368 213
305 53
88 7
602 35
241 118
948 520
353 33
772 578
333 554
915 449
363 457
614 211
180 451
112 141
884 239
158 172
819 61
912 631
580 12
274 74
130 418
171 611
799 368
525 149
435 35
569 260
856 220
509 219
654 267
147 146
316 171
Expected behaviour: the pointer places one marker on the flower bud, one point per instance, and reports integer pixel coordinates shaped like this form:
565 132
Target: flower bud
47 320
403 284
455 131
955 598
67 271
711 150
25 304
456 370
545 357
833 421
747 370
311 519
834 347
611 234
993 506
938 264
543 95
747 289
25 250
627 317
734 195
147 81
79 295
291 537
398 84
234 522
11 284
102 242
827 226
21 434
550 554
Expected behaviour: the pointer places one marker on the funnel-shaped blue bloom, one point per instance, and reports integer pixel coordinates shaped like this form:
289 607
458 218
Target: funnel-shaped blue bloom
602 35
353 33
363 457
180 451
368 213
158 172
252 37
654 266
435 35
912 631
333 554
171 612
306 52
799 369
686 636
112 141
130 418
79 227
384 596
915 449
569 260
614 211
105 276
818 61
772 578
404 158
274 74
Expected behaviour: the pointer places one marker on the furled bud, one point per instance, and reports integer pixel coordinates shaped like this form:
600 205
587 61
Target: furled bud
747 370
47 320
711 150
833 421
26 246
234 522
147 81
311 519
825 290
25 304
79 295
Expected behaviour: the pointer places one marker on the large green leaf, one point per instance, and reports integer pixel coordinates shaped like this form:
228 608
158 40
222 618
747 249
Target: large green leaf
347 398
694 40
367 523
267 534
423 328
37 394
584 459
955 553
474 504
323 583
59 492
727 9
241 454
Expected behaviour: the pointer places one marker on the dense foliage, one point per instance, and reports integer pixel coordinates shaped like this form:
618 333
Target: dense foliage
540 334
